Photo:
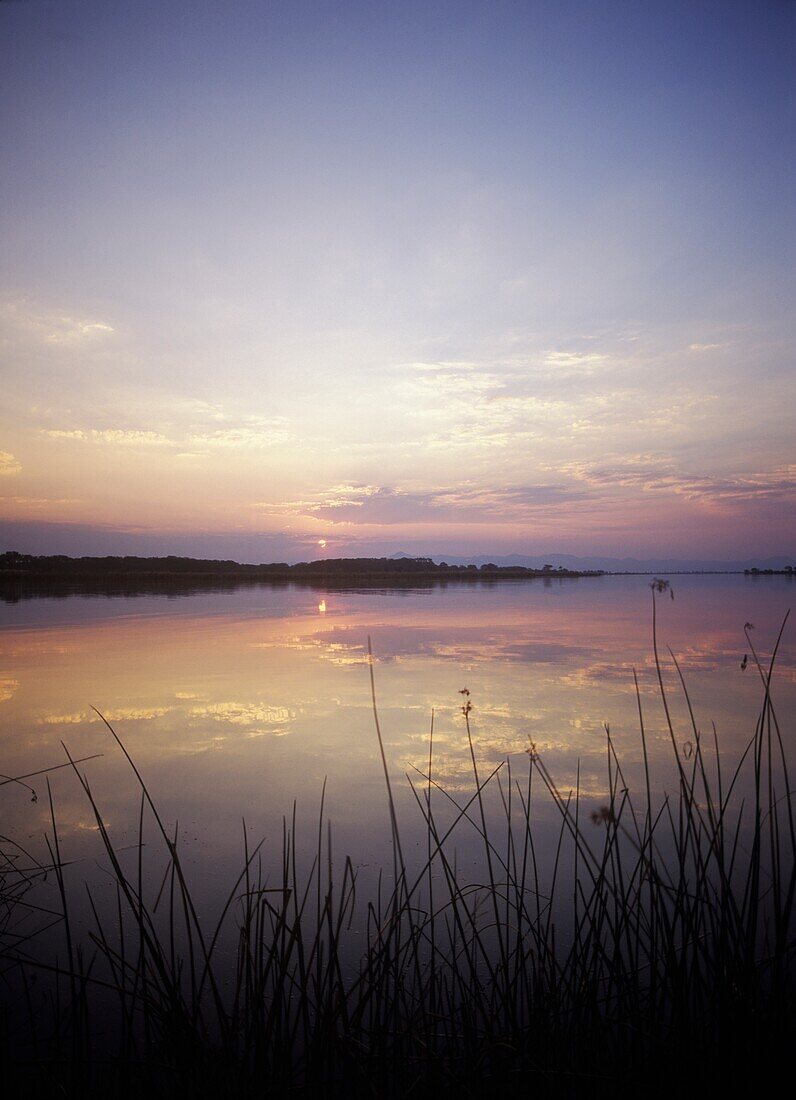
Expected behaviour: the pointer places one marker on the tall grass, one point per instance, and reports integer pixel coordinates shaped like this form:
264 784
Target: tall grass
653 950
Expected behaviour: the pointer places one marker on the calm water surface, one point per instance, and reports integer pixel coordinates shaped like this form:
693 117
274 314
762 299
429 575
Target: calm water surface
235 704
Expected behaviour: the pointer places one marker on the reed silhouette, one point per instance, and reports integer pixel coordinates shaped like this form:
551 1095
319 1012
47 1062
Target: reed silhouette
675 970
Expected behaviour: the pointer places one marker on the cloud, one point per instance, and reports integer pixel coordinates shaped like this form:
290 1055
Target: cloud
659 474
117 714
7 688
42 502
551 401
336 498
256 718
53 326
8 464
66 719
254 433
67 330
122 437
445 381
387 505
135 714
192 440
574 363
463 645
775 485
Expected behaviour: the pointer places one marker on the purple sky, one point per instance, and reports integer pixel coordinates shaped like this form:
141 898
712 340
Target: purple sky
441 277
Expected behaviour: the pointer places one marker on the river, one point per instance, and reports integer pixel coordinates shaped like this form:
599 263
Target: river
235 704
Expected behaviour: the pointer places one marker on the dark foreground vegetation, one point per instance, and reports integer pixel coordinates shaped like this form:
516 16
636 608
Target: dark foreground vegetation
24 575
653 951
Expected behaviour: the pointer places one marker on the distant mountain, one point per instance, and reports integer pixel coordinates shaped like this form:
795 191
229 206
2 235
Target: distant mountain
618 565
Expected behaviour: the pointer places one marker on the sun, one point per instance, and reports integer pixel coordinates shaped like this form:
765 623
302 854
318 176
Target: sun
321 543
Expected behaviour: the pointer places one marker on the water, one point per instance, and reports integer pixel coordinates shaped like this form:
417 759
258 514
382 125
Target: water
234 704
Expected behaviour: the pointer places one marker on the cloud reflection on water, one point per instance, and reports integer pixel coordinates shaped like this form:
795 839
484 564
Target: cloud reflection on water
241 706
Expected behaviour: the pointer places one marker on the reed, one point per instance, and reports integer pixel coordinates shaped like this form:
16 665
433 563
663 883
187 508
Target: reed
655 952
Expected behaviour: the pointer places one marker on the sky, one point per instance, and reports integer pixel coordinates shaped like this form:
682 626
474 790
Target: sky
285 280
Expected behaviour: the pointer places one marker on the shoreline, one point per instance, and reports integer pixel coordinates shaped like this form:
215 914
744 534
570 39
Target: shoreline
25 576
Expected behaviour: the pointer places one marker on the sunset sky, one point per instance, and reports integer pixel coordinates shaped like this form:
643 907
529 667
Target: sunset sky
440 277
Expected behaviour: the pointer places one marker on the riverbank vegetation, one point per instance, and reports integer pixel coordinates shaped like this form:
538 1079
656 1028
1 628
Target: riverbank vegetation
24 576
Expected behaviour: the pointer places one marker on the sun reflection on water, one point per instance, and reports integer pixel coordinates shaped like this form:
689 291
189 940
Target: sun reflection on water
238 708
